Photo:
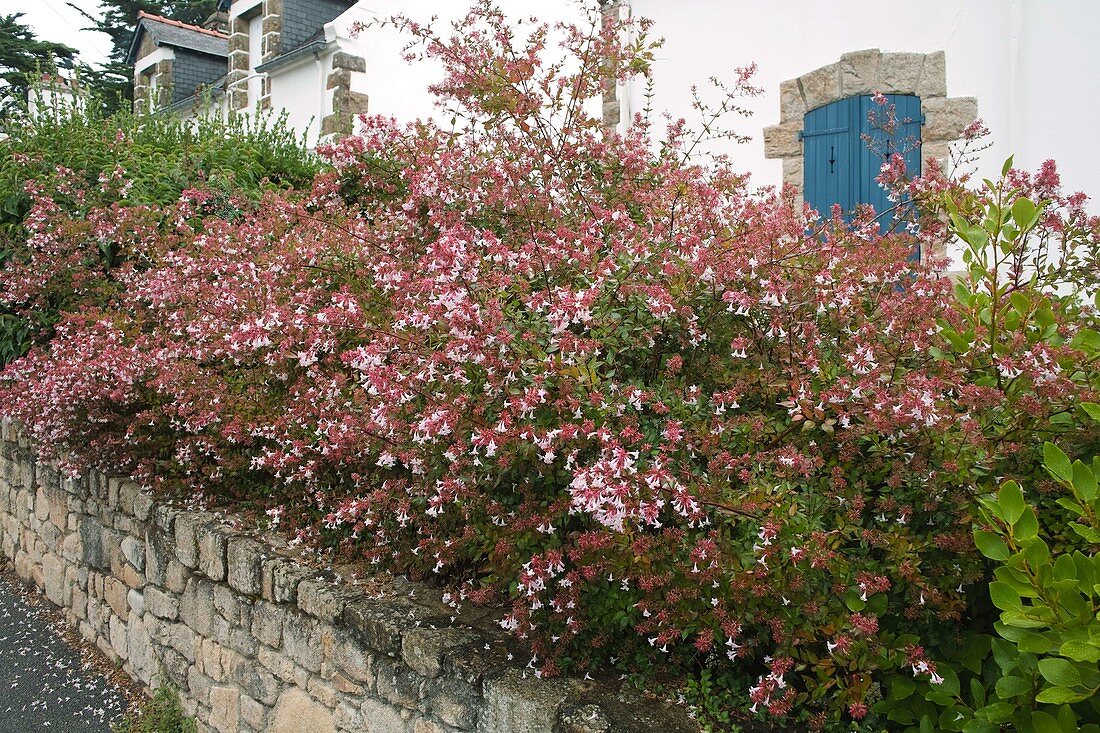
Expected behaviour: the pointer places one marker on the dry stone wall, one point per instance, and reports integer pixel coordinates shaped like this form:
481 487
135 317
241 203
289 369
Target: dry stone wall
256 639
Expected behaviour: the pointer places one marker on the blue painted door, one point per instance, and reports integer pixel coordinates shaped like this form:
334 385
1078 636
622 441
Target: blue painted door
829 135
843 152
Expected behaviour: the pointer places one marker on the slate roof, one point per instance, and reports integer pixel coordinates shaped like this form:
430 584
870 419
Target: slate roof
166 32
303 22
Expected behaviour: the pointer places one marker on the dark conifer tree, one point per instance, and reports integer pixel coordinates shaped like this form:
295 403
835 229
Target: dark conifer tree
22 57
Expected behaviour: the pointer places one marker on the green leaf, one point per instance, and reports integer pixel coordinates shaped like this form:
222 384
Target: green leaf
991 545
1070 601
1067 719
1060 696
1057 462
1033 642
998 712
1084 482
976 237
974 652
993 507
1086 576
952 717
1059 672
1064 568
13 204
1011 499
1020 302
1035 551
1005 654
1090 534
1080 651
1003 596
1092 410
1087 340
1026 527
1020 582
1045 723
1011 686
1007 166
1071 505
1025 213
901 687
1026 620
1044 317
950 683
977 691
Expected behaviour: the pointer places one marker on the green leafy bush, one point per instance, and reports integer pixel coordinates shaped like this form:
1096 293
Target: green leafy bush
79 161
162 155
1048 601
1041 672
1025 657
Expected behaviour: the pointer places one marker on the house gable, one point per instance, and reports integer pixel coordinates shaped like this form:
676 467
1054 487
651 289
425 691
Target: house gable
154 31
270 39
280 27
173 60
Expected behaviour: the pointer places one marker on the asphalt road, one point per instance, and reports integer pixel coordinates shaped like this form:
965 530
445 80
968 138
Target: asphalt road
43 686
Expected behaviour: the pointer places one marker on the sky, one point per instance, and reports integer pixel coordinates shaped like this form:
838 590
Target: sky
54 20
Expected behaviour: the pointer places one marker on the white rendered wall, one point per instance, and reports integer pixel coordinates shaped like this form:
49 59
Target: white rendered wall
300 90
399 89
255 58
1058 91
1032 65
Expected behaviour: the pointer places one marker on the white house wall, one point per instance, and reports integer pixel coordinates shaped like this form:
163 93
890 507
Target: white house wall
1031 64
397 88
1058 107
301 91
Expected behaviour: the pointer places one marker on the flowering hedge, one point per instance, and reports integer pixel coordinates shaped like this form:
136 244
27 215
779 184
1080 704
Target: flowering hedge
105 173
674 424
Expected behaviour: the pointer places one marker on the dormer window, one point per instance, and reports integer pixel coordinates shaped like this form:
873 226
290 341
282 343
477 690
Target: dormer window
152 81
173 62
268 45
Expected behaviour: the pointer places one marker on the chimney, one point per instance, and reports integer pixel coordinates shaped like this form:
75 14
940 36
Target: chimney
218 21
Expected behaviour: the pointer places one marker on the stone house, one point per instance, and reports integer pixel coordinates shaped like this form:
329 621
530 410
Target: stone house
253 55
943 63
173 62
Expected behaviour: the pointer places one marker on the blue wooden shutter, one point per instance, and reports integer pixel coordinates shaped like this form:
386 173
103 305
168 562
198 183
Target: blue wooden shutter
840 167
828 139
905 140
